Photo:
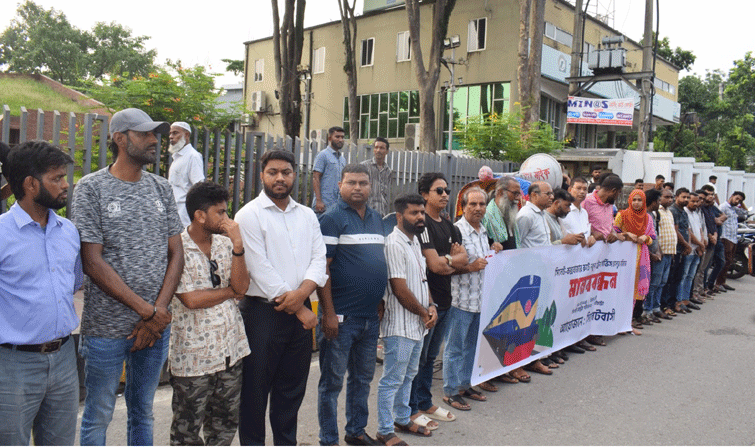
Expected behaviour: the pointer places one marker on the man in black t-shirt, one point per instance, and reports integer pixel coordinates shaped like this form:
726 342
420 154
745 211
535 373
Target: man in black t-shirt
442 249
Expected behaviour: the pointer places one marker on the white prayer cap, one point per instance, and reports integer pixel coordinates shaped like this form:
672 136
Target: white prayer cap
182 125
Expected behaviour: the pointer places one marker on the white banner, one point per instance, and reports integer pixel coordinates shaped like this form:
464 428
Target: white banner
536 301
613 112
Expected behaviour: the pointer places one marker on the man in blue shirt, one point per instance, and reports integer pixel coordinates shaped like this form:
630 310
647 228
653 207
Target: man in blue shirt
326 172
40 269
349 328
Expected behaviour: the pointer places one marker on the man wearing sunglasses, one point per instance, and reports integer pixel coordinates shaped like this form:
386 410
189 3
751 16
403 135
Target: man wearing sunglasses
207 339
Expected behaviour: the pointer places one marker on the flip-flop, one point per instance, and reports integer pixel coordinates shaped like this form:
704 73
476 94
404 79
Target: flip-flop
413 429
473 394
457 402
440 414
424 421
507 378
586 346
386 440
540 369
596 340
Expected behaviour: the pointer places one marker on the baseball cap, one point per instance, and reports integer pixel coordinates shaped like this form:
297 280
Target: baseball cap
138 120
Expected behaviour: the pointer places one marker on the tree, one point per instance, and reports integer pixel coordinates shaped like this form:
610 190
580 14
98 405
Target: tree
531 29
677 56
235 66
427 75
114 51
349 25
506 138
288 40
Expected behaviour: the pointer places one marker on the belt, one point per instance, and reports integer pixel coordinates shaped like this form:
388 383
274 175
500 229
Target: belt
49 347
262 300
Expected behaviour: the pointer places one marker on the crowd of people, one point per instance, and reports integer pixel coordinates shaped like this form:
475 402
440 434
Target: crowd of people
168 275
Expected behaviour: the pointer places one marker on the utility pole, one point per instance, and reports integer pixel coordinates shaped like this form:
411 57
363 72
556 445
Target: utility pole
646 81
576 58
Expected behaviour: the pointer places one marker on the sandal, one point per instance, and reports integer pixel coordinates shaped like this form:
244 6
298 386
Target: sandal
489 387
549 363
473 394
561 354
390 439
507 378
439 414
423 421
587 347
520 375
457 402
413 429
636 332
596 340
539 368
555 358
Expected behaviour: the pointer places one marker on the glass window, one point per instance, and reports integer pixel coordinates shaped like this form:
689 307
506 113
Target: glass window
414 103
364 126
319 61
259 68
383 126
403 103
550 30
393 108
476 34
368 48
403 47
373 128
374 106
393 128
366 104
384 103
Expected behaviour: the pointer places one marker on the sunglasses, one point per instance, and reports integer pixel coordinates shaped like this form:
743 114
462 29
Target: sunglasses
439 190
214 276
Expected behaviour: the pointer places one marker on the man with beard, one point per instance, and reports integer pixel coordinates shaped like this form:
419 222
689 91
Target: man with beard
381 176
671 296
286 256
132 253
354 238
40 270
409 313
326 171
500 223
595 174
558 209
206 377
187 167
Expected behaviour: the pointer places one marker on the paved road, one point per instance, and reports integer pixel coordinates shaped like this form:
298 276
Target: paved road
684 382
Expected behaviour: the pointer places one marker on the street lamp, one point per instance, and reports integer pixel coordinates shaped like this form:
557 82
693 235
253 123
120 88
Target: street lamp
452 43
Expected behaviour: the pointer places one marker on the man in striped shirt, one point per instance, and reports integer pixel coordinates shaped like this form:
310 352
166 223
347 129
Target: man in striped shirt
409 313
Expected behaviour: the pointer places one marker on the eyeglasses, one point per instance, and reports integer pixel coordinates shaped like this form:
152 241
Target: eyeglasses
439 190
549 193
214 276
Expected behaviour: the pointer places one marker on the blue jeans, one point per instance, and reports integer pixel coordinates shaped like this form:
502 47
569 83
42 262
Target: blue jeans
658 279
421 397
39 393
103 366
458 355
689 268
399 368
354 350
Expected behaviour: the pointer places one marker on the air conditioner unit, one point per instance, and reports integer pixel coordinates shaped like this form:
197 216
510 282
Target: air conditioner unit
320 135
247 120
258 101
412 141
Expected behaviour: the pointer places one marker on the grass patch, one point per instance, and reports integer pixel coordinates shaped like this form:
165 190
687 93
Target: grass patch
33 95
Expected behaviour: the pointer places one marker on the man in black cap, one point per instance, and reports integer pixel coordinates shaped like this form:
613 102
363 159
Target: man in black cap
132 253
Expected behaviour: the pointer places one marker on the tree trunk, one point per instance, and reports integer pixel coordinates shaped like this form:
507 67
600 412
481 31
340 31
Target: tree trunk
288 41
349 25
522 72
427 77
534 63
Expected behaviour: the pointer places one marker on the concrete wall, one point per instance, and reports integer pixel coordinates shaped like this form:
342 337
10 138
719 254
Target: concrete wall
681 172
722 172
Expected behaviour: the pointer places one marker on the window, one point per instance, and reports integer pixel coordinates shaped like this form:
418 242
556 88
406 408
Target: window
384 114
403 47
259 67
475 100
557 34
368 47
319 61
665 86
552 113
477 33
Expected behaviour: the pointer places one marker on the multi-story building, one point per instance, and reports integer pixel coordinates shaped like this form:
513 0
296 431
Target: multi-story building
489 33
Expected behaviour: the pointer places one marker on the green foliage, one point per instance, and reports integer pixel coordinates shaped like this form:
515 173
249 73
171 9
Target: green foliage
235 66
44 41
677 56
188 95
503 138
26 92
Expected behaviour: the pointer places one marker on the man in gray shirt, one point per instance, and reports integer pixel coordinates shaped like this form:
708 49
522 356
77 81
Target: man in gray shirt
132 253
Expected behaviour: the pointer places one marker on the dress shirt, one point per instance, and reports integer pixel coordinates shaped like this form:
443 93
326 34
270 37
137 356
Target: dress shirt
696 225
186 170
730 225
380 182
283 247
576 222
600 214
666 232
533 228
40 270
555 228
466 289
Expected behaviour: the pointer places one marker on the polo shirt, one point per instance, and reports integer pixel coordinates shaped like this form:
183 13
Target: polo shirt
330 164
358 271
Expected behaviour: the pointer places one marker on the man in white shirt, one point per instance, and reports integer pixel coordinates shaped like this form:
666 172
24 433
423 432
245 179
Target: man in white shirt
285 252
187 167
577 221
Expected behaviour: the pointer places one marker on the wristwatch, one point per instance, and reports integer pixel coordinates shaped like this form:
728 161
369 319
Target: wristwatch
449 259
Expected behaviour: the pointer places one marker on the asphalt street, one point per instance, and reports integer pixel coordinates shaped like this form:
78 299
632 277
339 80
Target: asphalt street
688 381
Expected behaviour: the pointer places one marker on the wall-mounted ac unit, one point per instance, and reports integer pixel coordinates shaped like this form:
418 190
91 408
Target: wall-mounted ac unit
412 140
258 102
247 120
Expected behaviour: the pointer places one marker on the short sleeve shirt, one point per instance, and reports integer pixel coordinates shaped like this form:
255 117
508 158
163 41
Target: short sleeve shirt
380 186
466 289
439 236
201 339
600 214
132 221
358 271
729 227
666 233
330 164
682 221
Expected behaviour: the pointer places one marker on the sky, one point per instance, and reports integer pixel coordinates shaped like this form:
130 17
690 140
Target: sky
716 34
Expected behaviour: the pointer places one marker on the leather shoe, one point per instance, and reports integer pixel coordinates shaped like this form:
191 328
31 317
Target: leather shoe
695 300
728 287
692 306
364 440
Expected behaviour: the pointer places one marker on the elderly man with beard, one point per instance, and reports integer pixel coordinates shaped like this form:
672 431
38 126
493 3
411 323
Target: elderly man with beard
500 223
466 293
40 270
187 167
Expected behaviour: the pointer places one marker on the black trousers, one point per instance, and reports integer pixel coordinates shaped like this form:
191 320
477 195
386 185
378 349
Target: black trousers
278 368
